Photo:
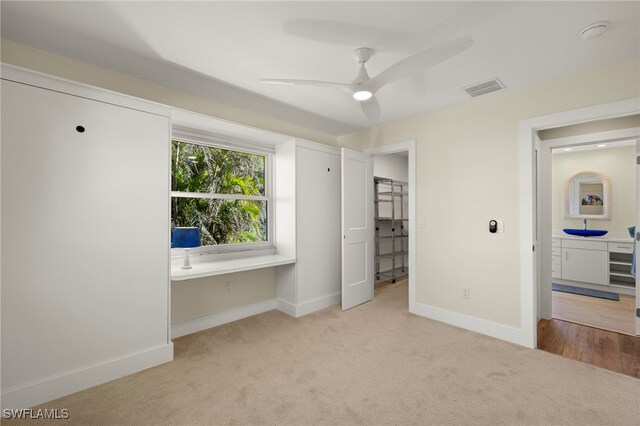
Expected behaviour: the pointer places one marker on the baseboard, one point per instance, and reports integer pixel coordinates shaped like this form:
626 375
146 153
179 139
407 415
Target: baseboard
51 388
287 307
309 306
478 325
198 324
318 303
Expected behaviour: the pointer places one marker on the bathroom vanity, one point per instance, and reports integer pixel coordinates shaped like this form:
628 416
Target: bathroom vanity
602 263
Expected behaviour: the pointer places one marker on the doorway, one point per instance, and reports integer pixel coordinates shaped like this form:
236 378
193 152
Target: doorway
590 189
395 166
391 223
565 336
535 245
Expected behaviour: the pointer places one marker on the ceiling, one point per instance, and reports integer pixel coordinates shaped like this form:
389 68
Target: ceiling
220 50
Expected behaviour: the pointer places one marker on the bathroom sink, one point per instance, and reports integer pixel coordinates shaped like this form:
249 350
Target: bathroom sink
585 232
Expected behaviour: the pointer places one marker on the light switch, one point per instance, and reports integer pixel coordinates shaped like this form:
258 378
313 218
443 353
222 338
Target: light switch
500 225
421 223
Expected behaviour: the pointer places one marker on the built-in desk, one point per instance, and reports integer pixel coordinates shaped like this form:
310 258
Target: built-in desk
215 264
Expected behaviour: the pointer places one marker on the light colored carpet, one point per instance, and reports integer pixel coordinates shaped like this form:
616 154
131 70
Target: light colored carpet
374 364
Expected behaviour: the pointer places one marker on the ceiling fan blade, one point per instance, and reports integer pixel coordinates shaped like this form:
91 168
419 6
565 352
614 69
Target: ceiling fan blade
335 32
305 82
467 16
371 110
420 61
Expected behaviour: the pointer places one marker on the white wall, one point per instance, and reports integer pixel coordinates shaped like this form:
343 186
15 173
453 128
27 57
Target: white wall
467 174
618 164
200 297
392 166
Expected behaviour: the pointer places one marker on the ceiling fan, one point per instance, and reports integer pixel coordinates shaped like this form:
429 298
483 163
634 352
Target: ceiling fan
363 88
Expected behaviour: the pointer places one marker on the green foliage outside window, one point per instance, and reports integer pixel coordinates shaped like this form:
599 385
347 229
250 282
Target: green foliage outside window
207 170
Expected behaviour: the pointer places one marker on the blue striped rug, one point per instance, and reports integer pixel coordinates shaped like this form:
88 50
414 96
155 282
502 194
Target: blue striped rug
585 291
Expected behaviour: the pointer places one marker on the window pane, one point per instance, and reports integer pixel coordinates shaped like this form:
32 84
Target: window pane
197 168
222 221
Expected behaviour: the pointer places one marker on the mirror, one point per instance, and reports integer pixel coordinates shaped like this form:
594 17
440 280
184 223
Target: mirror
587 195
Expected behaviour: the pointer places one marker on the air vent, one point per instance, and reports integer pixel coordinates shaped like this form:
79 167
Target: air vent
484 87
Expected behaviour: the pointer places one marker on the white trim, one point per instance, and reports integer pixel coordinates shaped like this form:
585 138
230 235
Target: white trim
214 126
317 146
409 146
68 87
318 303
203 323
286 307
489 328
69 382
309 306
594 138
217 196
197 136
528 130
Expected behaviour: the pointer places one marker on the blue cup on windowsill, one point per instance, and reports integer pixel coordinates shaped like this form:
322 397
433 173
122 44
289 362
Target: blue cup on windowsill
632 231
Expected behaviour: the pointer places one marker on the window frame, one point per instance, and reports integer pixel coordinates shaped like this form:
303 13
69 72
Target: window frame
202 139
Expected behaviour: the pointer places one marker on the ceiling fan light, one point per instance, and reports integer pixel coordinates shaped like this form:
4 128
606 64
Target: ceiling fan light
362 95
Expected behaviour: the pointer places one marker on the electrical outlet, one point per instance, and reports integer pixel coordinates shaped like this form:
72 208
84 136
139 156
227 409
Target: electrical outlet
466 292
227 287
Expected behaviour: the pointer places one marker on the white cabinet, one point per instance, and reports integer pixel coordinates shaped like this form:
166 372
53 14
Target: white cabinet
585 261
593 261
589 266
308 225
85 238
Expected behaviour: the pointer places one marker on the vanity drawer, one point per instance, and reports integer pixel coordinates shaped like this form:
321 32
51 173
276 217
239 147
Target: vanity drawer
556 242
556 251
621 247
556 261
584 245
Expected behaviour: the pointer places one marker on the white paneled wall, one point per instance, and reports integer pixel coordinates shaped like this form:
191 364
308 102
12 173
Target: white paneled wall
308 224
85 239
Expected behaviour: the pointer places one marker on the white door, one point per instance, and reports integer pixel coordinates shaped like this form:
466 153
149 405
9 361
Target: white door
357 228
637 237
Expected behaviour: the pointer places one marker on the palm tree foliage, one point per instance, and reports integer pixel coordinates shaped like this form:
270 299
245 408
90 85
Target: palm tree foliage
209 170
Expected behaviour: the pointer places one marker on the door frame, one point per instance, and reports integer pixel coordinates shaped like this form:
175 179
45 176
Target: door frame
529 254
545 161
410 147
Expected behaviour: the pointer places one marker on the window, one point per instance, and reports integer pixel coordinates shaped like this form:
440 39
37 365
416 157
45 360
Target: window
224 192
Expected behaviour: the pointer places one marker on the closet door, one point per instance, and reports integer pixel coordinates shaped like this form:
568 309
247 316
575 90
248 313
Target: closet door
318 229
85 232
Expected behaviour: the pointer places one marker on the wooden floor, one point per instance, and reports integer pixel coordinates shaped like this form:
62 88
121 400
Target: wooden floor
618 316
602 348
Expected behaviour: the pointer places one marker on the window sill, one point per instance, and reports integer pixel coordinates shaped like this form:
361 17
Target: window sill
210 265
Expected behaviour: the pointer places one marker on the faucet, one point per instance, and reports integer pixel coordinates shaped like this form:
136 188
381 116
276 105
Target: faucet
585 224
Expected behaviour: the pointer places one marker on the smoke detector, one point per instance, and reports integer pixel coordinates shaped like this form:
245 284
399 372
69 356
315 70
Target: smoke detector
594 30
